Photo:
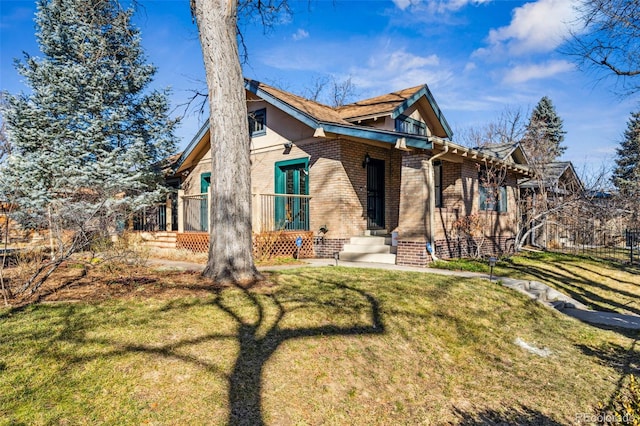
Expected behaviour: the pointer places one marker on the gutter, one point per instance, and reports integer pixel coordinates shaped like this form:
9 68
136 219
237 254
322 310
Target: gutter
432 198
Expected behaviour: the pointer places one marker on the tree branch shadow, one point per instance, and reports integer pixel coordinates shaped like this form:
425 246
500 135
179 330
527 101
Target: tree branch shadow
258 314
511 416
258 344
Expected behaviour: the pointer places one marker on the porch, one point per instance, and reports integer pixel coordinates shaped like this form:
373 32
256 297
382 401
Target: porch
277 219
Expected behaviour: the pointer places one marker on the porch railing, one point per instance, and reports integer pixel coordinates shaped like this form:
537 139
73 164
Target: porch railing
287 212
195 212
152 218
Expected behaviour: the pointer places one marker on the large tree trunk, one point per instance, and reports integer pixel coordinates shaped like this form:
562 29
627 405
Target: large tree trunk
230 247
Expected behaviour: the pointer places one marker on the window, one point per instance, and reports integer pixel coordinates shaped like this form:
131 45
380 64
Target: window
493 198
437 182
258 122
492 192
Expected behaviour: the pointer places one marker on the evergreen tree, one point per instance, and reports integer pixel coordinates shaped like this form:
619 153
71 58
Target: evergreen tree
626 175
544 135
86 138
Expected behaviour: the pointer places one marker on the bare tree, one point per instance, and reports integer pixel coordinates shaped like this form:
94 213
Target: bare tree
341 92
608 40
316 89
331 91
509 127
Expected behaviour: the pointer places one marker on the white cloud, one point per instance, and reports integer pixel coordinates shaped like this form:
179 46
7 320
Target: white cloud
540 26
387 71
470 66
436 6
523 73
402 4
300 34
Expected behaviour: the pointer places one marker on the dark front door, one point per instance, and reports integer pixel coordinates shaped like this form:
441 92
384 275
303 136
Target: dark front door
375 194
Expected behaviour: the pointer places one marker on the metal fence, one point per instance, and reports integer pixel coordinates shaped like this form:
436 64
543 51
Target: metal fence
283 212
196 213
152 218
593 241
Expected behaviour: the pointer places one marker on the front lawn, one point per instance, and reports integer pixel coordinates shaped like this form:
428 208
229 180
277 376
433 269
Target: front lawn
601 285
327 345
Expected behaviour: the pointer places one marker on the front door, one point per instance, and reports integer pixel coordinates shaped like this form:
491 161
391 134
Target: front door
375 194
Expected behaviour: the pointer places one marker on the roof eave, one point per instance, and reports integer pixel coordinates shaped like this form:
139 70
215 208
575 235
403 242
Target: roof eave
192 145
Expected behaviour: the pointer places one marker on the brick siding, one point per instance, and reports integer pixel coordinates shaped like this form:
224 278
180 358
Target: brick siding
326 247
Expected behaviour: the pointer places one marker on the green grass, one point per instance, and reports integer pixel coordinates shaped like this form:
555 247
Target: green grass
601 285
325 345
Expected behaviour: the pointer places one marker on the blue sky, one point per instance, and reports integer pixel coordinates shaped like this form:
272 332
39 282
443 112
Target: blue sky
478 58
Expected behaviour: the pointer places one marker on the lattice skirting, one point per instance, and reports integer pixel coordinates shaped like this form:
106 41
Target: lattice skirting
282 243
194 241
265 245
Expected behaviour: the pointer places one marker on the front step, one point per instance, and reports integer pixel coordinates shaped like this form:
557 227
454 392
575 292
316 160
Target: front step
368 257
161 239
373 249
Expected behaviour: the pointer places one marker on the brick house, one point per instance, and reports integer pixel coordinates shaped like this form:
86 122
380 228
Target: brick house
377 180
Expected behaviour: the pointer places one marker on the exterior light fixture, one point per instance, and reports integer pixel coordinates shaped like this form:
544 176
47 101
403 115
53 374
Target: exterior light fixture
288 145
366 161
492 263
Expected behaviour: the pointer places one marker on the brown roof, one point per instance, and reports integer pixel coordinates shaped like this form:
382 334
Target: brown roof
378 105
313 109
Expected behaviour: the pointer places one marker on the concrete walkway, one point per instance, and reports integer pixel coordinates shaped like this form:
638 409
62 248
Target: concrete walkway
533 289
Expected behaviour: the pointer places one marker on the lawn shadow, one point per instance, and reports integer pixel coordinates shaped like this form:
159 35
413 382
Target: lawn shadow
257 313
512 416
257 345
573 288
624 360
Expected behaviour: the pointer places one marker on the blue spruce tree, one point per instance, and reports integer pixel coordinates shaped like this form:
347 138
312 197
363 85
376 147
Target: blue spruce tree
87 138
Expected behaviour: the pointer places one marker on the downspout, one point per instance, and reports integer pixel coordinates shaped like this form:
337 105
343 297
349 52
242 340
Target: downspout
432 199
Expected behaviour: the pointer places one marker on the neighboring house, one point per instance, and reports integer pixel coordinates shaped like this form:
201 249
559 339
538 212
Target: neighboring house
559 190
339 177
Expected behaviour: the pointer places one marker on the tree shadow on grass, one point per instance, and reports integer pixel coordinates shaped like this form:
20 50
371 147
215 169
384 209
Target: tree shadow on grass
257 345
258 314
512 416
626 361
577 288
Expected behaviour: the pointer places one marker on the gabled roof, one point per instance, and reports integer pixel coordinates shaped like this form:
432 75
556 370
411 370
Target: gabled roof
395 104
315 110
379 105
327 120
505 151
553 173
318 116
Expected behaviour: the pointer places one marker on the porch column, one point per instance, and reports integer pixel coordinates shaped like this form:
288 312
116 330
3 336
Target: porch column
168 213
209 208
413 225
256 218
180 211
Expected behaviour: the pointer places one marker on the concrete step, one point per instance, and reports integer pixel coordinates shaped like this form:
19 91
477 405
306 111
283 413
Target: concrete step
168 239
368 248
368 257
165 234
372 240
160 244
